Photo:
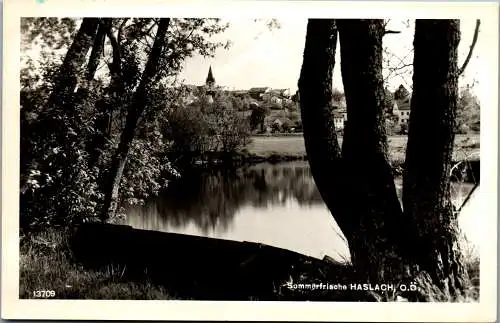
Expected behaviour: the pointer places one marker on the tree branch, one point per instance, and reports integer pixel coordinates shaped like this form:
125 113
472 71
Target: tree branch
97 50
474 41
120 30
402 65
391 32
116 65
386 31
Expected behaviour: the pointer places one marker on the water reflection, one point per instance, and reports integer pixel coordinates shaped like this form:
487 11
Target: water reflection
274 204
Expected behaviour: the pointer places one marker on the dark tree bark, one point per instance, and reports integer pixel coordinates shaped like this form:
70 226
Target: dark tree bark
315 91
73 63
426 187
97 49
104 108
135 110
357 183
377 232
95 144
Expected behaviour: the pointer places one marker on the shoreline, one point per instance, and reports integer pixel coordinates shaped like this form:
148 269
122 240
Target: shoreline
467 170
278 148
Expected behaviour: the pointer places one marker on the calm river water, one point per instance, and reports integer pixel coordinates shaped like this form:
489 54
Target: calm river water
275 204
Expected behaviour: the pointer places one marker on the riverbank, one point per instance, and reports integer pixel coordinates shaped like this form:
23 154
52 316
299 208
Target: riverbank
117 262
291 147
278 148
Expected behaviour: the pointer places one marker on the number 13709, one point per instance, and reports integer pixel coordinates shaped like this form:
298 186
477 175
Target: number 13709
44 293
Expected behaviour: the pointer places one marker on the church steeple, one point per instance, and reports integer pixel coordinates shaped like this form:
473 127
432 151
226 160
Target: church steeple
210 85
210 78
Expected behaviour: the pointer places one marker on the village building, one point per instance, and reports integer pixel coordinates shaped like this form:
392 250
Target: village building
210 88
402 110
401 107
239 93
277 96
339 117
258 92
253 97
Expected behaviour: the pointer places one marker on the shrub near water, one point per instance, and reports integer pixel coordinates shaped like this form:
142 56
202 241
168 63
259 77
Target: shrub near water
61 182
204 128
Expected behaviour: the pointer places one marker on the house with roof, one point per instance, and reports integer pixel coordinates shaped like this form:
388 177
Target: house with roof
258 92
278 96
402 110
282 93
239 93
339 117
401 107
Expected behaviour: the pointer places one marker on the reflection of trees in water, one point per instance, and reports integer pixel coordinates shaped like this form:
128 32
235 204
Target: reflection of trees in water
207 200
210 200
278 184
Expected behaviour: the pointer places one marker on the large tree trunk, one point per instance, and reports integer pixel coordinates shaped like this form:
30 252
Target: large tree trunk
315 90
426 188
135 110
73 63
376 235
357 185
387 245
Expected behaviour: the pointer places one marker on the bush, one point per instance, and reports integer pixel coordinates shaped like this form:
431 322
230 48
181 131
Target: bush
298 126
258 117
391 124
58 186
61 182
403 129
206 128
188 131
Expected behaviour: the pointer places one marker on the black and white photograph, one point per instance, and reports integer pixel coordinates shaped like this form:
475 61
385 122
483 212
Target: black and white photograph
257 158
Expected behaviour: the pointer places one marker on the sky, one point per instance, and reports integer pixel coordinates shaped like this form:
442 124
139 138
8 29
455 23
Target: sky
263 57
260 56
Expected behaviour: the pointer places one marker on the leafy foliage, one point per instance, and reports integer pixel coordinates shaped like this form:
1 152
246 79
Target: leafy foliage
57 185
468 112
48 31
401 93
203 127
259 113
67 145
337 96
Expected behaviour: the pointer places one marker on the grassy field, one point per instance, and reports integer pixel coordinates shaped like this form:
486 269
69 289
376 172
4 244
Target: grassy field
466 147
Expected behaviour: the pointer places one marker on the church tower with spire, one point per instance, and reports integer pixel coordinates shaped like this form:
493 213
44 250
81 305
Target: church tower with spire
210 84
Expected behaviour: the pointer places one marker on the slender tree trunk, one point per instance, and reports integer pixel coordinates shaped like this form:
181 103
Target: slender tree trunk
97 49
73 63
135 110
426 187
96 143
104 108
